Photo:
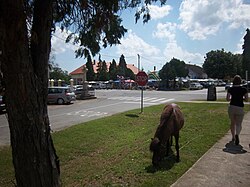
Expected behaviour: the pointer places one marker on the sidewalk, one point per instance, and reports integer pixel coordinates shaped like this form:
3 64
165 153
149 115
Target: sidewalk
225 164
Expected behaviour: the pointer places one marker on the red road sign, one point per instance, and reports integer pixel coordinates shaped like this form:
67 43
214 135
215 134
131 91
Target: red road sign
141 78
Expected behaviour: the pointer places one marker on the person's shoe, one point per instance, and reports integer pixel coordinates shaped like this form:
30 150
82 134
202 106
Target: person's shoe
237 141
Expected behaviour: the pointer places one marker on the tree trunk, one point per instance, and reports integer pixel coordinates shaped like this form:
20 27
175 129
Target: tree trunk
24 63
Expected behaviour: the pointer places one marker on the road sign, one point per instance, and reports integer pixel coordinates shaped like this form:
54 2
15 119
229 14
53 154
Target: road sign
141 78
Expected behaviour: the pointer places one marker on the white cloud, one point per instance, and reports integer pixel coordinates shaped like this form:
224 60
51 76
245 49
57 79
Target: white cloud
201 18
239 49
172 50
166 30
133 45
158 12
240 16
58 42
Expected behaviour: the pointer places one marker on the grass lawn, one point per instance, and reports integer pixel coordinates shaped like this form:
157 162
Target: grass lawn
114 151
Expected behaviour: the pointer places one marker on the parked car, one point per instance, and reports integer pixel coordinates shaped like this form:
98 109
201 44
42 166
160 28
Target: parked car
2 104
195 86
90 91
221 83
60 95
207 84
246 85
228 85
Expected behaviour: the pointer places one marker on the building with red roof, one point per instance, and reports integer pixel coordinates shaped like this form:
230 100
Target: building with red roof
78 74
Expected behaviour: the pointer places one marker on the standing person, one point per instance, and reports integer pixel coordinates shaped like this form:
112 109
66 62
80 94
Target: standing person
236 95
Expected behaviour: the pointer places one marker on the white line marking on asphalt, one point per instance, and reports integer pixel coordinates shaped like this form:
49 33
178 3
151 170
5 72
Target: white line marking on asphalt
86 109
149 103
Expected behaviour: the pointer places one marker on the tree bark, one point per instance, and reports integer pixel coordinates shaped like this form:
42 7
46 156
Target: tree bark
24 63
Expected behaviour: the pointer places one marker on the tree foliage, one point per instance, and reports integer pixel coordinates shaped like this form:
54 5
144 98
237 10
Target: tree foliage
174 68
97 22
102 73
90 75
57 73
113 70
246 53
171 70
122 66
123 70
221 64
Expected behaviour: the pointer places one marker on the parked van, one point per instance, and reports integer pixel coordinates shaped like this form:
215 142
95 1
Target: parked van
2 103
60 95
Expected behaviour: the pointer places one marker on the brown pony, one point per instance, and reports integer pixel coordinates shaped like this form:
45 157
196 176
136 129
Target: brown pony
172 120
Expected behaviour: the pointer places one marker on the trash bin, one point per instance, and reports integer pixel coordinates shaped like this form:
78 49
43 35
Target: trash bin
211 93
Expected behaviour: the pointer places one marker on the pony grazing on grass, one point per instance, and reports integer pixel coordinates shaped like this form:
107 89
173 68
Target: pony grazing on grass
172 120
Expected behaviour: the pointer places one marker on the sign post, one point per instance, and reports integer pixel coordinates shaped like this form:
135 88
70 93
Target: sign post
142 79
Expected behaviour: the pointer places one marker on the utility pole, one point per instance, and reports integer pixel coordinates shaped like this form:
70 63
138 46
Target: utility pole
138 62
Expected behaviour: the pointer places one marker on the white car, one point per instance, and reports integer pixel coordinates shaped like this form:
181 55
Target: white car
195 86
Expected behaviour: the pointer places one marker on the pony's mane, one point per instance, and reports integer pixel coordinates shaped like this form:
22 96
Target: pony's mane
166 114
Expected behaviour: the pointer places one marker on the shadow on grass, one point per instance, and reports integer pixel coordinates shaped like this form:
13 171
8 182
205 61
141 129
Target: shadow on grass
166 164
132 115
230 147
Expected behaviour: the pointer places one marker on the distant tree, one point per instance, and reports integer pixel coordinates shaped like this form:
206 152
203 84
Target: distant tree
237 59
113 70
171 70
90 73
166 74
57 73
246 54
103 73
98 68
130 74
123 70
122 66
179 67
220 64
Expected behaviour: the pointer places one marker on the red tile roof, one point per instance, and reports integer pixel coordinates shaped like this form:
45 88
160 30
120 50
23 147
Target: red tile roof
79 70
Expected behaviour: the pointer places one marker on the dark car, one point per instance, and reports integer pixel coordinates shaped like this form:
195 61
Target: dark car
79 91
2 103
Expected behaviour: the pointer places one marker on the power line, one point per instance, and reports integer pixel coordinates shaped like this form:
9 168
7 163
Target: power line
117 57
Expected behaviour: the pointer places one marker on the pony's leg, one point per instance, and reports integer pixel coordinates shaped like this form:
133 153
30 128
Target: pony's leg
168 147
171 140
177 147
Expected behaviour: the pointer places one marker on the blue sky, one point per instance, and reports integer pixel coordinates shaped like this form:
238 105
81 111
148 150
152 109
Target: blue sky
185 30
